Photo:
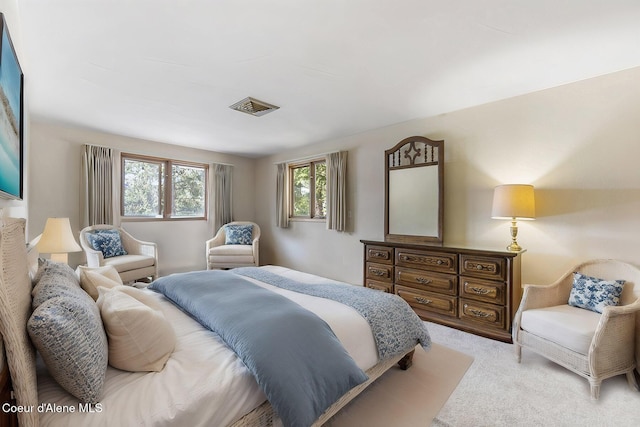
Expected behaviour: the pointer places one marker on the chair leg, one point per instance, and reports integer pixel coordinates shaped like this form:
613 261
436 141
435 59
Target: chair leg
518 349
631 379
595 388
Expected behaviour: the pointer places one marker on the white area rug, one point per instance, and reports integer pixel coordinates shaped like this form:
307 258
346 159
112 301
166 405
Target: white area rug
410 398
497 391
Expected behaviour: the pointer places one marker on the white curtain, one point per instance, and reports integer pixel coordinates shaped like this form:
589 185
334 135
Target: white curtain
282 213
222 200
337 191
100 189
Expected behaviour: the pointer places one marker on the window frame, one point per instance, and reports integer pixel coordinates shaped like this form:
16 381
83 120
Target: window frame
312 184
165 189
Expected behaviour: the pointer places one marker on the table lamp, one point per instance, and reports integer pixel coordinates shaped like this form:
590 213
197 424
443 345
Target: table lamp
57 240
513 202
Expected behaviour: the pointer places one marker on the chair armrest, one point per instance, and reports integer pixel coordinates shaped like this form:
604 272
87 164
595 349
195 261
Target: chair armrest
138 247
94 258
620 310
256 251
540 296
217 240
147 248
615 336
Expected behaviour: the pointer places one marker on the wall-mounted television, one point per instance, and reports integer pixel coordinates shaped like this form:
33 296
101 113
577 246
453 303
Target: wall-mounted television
11 118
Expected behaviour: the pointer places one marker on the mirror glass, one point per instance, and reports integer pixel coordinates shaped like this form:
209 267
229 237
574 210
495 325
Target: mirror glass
414 191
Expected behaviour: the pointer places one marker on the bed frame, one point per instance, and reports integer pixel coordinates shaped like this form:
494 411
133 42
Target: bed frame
18 368
7 419
263 415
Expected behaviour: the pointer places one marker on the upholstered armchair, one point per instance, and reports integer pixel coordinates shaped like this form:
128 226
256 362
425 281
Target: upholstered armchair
236 244
134 259
592 344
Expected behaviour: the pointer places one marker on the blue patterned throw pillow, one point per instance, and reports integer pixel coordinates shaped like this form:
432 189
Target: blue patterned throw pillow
236 234
594 294
106 241
68 333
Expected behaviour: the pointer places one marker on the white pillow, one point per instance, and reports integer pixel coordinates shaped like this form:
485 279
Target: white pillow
140 337
92 277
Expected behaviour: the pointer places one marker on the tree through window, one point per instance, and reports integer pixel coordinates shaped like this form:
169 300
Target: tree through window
308 189
154 188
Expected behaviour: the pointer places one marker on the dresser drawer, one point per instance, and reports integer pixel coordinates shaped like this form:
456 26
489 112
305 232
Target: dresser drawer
379 286
482 290
428 301
379 254
427 280
380 272
482 313
486 267
434 261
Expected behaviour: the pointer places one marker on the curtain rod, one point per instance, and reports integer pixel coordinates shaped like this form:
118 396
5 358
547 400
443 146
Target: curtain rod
142 154
314 156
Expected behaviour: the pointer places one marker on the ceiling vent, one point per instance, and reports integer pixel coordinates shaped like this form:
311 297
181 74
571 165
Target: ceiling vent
253 106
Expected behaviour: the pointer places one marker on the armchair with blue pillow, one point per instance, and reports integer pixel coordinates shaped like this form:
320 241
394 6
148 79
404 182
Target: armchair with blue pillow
236 244
587 321
110 245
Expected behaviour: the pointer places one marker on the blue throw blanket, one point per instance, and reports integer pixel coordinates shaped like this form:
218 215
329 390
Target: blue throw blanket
294 355
396 327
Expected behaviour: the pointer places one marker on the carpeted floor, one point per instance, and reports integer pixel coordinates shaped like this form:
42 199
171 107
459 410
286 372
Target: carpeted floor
497 391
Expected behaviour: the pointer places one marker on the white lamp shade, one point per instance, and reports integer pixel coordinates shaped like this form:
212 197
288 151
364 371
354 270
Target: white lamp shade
513 201
57 237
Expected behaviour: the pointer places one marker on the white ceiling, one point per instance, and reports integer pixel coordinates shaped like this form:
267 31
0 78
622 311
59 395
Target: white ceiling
167 70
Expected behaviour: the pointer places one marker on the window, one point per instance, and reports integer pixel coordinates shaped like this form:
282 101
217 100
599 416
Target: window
308 189
154 188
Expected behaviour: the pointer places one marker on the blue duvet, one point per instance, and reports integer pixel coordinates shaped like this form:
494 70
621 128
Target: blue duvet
293 354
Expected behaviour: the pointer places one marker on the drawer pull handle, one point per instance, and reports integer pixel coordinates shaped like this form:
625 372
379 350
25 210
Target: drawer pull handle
419 259
377 254
423 300
423 280
479 313
377 272
480 267
479 291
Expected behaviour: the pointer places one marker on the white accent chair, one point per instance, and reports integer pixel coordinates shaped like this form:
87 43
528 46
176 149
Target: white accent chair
593 345
220 255
141 261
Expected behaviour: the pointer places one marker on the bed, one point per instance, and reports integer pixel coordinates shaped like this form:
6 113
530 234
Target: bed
202 383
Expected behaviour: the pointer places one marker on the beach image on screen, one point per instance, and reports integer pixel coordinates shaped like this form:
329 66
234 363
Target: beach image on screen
10 80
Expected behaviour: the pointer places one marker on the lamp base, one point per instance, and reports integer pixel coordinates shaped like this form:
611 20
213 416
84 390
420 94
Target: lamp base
514 247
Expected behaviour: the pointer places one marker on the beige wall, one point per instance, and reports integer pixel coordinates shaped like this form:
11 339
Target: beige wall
577 144
55 183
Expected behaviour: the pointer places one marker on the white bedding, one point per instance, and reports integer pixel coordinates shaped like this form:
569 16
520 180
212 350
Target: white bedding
203 383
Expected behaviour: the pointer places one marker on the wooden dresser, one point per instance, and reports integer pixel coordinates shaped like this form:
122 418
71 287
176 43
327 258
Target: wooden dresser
477 291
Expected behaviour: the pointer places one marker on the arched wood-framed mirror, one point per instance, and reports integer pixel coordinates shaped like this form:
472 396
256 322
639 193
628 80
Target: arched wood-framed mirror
414 191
